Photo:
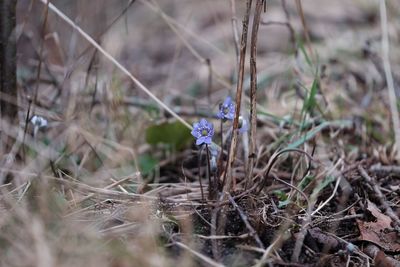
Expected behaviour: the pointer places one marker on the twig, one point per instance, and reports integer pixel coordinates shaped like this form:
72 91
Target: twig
204 258
347 217
388 210
253 89
114 61
219 237
246 221
385 169
389 77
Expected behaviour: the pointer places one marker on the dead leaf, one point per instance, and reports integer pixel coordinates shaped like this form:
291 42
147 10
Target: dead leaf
380 258
379 232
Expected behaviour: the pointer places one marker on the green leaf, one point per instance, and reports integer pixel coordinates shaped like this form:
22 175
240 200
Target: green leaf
281 195
304 52
323 184
309 135
195 89
147 163
174 134
306 181
311 102
282 204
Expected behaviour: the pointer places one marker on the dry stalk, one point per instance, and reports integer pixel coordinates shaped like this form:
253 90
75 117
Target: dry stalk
233 146
253 89
227 186
389 77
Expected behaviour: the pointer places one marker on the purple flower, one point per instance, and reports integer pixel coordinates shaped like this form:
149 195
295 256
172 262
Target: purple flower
226 109
203 131
243 125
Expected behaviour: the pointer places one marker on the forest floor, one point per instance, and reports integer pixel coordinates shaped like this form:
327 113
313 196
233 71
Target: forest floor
113 179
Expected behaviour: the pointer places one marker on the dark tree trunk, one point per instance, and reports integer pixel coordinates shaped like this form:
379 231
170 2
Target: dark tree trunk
8 80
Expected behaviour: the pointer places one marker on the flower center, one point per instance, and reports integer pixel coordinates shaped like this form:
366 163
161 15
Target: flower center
225 110
204 132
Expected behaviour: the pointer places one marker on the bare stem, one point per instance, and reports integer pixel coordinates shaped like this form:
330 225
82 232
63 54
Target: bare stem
233 146
253 88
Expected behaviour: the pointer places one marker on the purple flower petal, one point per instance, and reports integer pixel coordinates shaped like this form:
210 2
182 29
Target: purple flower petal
203 131
228 101
207 140
200 140
227 109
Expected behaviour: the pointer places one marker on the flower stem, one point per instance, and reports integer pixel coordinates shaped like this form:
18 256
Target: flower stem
228 144
210 194
201 184
221 155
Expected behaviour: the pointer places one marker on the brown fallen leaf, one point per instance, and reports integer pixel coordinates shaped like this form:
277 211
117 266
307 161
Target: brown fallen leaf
380 258
379 232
